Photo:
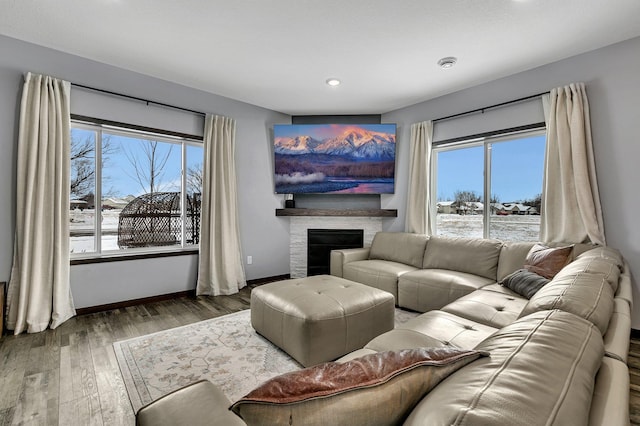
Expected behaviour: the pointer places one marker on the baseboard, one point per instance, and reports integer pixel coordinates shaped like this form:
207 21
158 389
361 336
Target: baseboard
134 302
163 297
266 280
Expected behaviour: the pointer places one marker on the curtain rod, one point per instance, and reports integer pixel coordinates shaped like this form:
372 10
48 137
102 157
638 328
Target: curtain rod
489 107
147 101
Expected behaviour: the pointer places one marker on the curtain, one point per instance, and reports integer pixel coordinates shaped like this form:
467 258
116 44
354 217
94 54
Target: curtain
39 293
571 210
418 219
220 269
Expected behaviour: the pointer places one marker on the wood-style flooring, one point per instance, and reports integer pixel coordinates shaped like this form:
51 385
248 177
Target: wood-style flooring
69 376
634 376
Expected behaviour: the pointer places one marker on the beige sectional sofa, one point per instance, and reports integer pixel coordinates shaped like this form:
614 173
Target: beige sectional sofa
556 358
493 356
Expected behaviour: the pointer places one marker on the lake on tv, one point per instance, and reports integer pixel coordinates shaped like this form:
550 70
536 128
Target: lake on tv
335 185
368 188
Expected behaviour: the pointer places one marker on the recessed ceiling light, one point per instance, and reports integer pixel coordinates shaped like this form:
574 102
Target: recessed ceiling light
333 82
447 62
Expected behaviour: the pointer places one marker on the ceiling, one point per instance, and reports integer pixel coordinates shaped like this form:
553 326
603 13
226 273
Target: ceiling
278 54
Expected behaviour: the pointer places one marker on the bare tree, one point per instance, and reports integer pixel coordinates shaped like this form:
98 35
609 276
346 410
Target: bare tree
533 202
148 168
194 179
83 163
463 198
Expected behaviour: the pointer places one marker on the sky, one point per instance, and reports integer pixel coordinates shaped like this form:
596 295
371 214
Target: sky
119 175
516 170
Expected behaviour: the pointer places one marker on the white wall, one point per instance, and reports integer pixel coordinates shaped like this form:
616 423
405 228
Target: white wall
263 236
612 77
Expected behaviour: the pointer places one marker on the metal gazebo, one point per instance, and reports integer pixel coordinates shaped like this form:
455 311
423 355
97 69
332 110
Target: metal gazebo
154 219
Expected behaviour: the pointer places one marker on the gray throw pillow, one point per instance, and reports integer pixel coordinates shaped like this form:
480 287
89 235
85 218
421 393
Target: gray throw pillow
524 283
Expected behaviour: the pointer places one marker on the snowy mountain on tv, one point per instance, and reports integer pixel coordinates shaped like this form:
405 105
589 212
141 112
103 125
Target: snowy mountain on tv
355 142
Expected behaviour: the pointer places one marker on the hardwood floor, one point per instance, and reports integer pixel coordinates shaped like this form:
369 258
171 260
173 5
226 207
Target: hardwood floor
69 376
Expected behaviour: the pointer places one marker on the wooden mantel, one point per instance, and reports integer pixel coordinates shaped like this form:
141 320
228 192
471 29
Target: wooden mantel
338 212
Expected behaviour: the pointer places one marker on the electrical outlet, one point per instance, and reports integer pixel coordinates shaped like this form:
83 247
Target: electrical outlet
249 260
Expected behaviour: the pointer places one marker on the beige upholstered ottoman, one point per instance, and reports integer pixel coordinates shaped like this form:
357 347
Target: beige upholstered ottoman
320 318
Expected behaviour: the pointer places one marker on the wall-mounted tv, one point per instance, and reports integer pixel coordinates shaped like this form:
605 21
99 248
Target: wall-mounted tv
334 158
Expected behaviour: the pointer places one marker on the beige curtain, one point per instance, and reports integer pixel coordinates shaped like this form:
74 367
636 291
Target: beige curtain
571 210
418 219
39 294
220 269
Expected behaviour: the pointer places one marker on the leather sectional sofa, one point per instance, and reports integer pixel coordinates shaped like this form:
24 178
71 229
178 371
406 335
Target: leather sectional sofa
556 358
484 353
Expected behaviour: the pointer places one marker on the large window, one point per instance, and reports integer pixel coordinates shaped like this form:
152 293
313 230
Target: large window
133 191
489 188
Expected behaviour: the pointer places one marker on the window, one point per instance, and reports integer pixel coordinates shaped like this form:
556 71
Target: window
133 191
505 170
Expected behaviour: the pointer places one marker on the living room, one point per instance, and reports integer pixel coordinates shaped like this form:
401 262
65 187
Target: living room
610 73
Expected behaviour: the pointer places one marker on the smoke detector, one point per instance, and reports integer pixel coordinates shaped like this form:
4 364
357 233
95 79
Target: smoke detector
448 62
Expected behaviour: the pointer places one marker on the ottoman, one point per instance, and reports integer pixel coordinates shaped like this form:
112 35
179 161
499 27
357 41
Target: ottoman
322 317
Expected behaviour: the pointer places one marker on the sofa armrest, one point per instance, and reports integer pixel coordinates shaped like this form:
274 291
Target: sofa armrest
624 290
610 403
341 257
200 403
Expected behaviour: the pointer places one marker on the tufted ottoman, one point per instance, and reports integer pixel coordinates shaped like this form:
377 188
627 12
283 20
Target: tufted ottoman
320 318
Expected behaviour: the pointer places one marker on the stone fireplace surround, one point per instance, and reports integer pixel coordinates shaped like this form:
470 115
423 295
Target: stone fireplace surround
298 226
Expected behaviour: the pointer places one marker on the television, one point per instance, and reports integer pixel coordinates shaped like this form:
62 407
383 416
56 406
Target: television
334 158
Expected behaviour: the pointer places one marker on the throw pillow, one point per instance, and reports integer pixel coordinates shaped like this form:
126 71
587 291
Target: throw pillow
547 261
380 388
523 282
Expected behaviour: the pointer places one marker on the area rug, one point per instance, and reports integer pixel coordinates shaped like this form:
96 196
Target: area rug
225 350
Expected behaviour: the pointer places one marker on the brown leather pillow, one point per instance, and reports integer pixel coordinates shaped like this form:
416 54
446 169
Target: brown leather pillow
379 388
547 261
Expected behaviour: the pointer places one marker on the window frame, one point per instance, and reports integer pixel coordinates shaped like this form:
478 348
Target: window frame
486 141
182 140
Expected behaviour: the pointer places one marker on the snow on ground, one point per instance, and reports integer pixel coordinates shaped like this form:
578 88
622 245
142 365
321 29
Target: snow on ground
505 228
82 231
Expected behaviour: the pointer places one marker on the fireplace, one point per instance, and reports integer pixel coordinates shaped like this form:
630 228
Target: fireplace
320 242
298 226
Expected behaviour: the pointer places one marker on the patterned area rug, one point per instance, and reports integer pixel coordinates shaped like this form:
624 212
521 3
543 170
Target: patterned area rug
225 350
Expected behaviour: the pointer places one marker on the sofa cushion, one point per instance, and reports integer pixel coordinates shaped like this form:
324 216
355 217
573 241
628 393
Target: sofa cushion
471 255
604 252
547 261
400 338
512 257
588 296
447 329
379 388
428 289
606 266
540 371
488 308
523 282
401 247
381 274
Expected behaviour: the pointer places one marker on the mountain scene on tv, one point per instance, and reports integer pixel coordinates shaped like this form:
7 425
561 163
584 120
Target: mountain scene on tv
358 159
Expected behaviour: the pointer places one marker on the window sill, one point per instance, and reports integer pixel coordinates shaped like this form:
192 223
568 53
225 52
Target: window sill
126 257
